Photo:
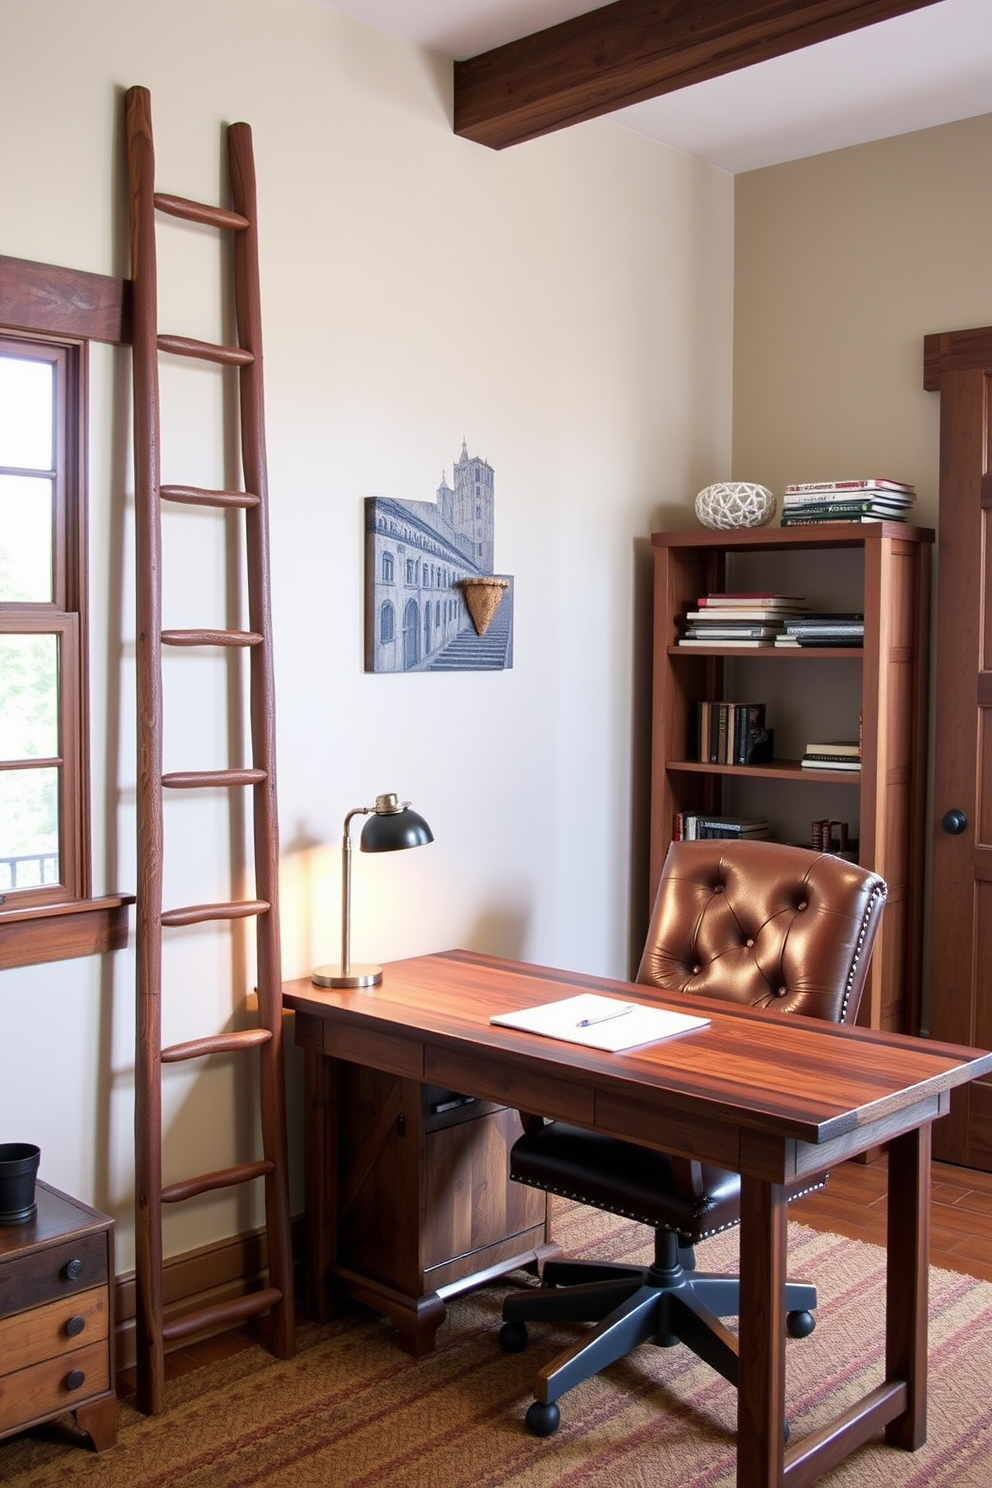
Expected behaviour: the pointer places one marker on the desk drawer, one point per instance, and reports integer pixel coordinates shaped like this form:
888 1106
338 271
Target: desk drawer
53 1385
57 1271
58 1327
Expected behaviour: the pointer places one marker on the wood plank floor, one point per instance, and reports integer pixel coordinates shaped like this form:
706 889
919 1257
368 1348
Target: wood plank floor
852 1204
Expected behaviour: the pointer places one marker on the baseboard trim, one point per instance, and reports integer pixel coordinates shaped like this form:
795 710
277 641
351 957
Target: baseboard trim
228 1268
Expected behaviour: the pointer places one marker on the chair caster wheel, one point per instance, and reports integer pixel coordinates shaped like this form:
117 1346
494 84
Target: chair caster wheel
542 1420
799 1324
513 1337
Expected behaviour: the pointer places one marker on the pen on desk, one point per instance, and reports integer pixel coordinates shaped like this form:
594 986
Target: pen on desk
627 1007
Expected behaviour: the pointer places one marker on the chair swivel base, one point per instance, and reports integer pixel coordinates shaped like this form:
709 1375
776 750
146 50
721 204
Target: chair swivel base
630 1305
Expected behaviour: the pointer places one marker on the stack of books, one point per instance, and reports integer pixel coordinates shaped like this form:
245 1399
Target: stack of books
690 826
734 734
874 500
741 619
838 754
824 628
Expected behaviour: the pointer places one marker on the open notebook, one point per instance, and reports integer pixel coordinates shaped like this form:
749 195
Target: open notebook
607 1023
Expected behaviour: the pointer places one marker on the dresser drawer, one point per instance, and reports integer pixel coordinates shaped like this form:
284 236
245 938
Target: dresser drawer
57 1327
53 1386
57 1271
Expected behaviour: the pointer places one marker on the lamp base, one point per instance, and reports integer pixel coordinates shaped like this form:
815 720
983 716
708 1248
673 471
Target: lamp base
357 976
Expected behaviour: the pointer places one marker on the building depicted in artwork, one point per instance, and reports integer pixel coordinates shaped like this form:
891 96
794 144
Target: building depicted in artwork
417 555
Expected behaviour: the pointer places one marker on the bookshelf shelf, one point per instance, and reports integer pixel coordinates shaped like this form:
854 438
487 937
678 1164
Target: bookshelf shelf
881 569
844 653
774 770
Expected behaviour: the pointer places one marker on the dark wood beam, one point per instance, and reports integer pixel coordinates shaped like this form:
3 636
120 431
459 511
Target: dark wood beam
63 302
636 49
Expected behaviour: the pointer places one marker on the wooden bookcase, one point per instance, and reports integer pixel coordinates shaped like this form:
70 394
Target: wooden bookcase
880 568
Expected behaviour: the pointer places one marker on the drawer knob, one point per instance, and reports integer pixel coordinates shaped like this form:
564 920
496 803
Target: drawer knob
74 1268
75 1325
75 1379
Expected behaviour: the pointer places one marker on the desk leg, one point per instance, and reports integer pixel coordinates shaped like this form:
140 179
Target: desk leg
907 1282
761 1385
321 1155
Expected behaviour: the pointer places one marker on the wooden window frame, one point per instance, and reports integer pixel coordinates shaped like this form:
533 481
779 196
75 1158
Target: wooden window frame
50 305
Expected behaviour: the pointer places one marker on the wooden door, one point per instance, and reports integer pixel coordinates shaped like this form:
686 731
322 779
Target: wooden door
959 365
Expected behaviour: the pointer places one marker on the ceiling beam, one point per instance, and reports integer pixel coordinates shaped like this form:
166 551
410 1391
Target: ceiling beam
631 50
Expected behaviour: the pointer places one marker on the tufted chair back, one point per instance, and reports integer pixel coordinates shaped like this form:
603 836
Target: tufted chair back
763 924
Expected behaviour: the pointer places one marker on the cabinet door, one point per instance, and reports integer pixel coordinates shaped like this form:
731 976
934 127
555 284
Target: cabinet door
961 912
470 1202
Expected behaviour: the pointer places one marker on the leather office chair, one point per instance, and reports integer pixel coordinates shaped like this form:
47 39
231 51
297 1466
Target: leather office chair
756 923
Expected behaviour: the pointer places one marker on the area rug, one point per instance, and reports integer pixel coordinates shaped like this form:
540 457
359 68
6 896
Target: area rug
350 1410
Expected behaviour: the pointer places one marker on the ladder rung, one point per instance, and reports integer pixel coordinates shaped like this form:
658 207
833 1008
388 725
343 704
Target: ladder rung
206 351
203 496
215 1043
194 211
194 779
236 1310
210 638
195 914
188 1188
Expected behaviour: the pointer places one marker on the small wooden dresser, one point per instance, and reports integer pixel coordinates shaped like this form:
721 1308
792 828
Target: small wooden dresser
56 1318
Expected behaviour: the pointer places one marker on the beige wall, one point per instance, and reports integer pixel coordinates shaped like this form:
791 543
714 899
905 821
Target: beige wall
842 264
566 308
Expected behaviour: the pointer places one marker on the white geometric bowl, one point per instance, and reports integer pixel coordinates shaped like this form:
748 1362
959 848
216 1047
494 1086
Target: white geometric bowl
735 504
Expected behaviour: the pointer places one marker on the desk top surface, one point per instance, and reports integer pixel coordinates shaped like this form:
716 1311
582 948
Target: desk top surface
796 1077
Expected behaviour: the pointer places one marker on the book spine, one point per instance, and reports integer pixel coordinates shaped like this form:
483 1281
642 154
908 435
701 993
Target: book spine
840 508
805 521
875 484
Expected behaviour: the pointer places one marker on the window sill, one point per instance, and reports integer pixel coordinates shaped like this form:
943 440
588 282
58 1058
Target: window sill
56 932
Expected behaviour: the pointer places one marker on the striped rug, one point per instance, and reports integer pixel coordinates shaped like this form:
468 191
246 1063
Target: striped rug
352 1411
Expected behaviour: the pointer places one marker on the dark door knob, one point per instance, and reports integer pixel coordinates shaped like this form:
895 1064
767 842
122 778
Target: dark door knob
75 1379
75 1325
74 1268
954 822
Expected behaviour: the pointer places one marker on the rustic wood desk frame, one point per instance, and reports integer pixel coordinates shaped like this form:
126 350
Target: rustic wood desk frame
773 1098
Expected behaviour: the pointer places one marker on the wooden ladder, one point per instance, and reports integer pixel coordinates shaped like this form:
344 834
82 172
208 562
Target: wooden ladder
153 1330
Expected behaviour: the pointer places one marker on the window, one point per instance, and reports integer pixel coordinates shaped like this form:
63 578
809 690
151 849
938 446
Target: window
48 316
387 568
43 856
387 623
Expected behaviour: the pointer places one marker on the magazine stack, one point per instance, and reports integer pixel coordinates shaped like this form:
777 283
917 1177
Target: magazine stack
691 826
743 619
872 500
842 755
824 628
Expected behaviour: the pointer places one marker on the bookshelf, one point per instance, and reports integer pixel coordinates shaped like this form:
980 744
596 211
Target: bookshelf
880 568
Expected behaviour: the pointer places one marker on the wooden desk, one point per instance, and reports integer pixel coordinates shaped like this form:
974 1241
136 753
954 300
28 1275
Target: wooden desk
772 1098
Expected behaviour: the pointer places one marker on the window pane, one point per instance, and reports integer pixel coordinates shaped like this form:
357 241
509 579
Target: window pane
25 539
26 392
29 675
29 828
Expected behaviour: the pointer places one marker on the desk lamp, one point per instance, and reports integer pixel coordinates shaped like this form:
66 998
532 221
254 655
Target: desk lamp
391 825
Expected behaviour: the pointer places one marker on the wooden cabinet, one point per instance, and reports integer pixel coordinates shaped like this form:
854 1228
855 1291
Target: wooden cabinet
409 1199
880 568
56 1319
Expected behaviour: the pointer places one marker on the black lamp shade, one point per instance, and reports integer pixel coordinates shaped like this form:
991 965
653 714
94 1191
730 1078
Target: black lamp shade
393 830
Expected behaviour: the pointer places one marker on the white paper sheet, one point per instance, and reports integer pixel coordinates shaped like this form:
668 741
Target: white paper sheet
609 1023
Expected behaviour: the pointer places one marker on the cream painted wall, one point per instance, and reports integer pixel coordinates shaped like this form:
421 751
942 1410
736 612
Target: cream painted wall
843 263
566 308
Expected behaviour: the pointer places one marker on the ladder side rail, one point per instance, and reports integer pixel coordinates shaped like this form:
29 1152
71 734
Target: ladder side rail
262 714
148 557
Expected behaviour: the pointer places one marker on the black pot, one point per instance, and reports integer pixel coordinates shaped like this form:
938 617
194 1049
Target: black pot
18 1169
